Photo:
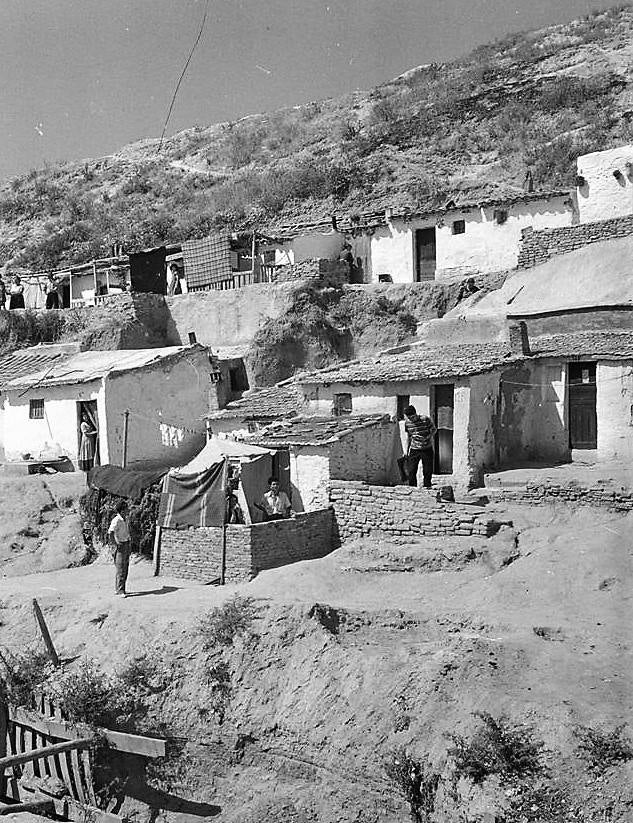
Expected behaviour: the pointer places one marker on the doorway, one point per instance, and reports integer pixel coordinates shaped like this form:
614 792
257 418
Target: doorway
425 254
443 405
88 408
281 470
583 421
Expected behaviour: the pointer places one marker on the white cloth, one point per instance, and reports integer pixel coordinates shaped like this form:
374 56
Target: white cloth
119 530
171 435
275 503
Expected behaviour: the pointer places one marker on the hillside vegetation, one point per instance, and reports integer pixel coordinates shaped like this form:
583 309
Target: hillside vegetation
534 100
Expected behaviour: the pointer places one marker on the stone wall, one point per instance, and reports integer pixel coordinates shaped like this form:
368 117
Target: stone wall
196 553
538 246
403 511
326 272
534 493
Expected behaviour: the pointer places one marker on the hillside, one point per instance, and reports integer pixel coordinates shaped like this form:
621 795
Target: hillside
471 126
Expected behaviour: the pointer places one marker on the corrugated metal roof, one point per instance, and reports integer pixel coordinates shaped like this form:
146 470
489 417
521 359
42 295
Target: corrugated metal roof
92 365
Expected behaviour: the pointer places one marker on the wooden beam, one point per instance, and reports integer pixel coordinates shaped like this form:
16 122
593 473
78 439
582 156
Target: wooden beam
45 751
120 741
45 633
44 804
80 812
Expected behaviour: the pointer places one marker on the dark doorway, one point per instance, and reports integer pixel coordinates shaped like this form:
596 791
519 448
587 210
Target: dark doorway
443 418
583 422
402 401
281 470
425 254
88 409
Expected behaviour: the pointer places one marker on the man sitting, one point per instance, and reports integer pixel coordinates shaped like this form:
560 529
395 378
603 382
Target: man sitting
275 504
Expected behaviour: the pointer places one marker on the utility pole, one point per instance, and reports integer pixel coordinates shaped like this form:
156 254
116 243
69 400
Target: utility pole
126 417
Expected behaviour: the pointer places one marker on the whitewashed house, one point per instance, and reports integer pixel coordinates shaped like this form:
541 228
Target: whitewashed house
604 185
162 393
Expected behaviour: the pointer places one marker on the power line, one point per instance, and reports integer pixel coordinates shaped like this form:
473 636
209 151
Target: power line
182 74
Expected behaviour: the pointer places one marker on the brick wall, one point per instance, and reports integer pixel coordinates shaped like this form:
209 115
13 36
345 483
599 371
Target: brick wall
328 272
196 553
538 246
403 511
571 492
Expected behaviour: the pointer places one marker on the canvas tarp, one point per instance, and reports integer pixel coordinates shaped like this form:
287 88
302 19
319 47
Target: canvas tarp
217 449
129 483
207 261
194 499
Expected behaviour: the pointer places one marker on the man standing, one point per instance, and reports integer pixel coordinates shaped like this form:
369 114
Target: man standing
119 536
275 504
420 431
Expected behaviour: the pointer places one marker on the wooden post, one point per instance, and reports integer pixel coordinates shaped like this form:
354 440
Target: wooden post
253 253
94 277
156 555
126 417
45 633
43 804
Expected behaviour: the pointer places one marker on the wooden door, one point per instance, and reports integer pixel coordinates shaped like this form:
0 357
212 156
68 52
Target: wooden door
583 422
425 254
444 404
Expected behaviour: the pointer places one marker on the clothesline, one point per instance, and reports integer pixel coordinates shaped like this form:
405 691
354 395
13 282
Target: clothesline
549 385
164 422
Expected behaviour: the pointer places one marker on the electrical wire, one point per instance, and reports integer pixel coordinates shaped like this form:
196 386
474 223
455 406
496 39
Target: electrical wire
182 74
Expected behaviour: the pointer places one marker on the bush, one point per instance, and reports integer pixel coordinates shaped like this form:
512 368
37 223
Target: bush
24 675
223 624
416 781
602 749
498 747
97 508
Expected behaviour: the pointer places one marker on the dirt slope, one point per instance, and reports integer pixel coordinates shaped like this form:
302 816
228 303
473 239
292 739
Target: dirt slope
406 642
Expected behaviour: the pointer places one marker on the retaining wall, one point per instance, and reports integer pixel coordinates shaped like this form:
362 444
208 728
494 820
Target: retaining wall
535 493
196 553
318 270
538 246
403 511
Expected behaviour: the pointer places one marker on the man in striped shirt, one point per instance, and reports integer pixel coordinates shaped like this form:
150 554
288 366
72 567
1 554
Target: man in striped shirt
420 431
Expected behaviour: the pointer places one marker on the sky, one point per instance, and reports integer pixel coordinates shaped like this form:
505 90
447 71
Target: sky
81 78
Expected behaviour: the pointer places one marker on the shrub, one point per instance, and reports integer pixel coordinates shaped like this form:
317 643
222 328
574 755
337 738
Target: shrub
602 749
498 747
223 624
86 694
97 508
24 674
416 781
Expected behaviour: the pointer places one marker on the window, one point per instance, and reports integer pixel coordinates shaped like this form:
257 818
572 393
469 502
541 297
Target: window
342 404
501 215
238 379
402 403
459 227
36 409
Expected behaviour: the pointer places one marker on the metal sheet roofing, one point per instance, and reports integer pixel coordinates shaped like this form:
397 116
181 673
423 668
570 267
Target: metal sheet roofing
313 431
91 365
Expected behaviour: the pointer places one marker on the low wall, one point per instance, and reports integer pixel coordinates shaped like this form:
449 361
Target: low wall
196 553
545 492
403 511
226 318
326 272
538 246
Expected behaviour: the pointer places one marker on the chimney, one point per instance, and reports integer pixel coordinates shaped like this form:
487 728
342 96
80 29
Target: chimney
192 338
519 341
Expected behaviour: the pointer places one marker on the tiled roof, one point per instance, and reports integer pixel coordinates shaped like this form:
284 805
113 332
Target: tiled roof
591 345
35 360
90 365
313 431
263 404
417 362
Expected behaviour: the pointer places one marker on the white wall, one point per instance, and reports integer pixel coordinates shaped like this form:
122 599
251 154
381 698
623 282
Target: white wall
484 247
327 245
56 434
367 398
614 407
309 476
603 196
367 454
176 393
482 409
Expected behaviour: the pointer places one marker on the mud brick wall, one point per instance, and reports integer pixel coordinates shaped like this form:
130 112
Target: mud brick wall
535 493
328 272
403 511
538 246
196 553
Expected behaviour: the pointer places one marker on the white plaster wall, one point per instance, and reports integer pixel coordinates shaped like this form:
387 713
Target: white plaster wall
367 454
484 247
327 245
614 408
309 476
604 196
56 433
461 421
175 392
367 398
483 404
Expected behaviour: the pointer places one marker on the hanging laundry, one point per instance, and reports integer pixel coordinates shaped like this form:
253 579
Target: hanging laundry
147 271
207 261
171 435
